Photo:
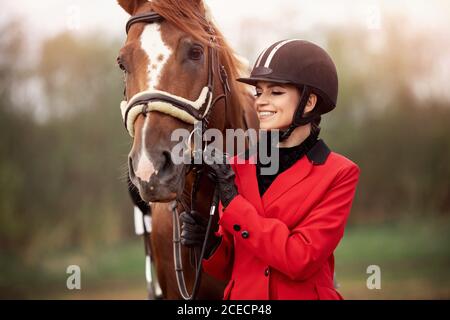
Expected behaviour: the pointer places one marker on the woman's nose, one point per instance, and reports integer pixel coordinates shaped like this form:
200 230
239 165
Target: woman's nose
261 100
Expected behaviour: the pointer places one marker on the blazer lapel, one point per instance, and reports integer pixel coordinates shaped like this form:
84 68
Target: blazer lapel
286 180
283 182
249 185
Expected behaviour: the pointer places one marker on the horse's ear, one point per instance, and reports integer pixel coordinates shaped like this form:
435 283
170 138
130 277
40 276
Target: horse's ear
131 6
202 6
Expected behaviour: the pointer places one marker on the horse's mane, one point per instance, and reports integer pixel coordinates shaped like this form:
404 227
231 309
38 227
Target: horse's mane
191 17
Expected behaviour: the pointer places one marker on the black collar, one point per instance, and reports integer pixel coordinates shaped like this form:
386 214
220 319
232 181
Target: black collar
318 154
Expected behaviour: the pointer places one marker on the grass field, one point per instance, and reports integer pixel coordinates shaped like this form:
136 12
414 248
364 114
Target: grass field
414 259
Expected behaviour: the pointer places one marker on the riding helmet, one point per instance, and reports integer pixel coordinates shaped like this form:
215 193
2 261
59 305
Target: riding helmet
303 64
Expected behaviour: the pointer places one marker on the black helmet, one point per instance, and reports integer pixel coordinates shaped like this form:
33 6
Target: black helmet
304 65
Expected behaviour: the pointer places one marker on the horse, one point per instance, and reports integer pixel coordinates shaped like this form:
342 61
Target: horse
179 70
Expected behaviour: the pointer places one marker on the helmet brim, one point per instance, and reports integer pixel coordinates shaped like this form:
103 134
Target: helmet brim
253 80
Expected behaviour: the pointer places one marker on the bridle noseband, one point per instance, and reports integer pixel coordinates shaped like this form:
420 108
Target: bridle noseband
190 112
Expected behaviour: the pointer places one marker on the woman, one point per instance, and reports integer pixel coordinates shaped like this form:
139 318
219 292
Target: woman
277 233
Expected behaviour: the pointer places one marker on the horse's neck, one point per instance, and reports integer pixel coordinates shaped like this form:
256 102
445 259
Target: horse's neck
242 114
239 111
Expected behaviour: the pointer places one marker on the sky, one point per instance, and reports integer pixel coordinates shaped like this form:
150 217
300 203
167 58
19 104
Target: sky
250 25
49 17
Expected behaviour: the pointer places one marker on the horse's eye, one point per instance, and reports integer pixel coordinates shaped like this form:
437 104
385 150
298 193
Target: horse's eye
121 64
196 53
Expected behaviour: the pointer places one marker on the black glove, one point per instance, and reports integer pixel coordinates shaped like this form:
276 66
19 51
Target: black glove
220 171
193 231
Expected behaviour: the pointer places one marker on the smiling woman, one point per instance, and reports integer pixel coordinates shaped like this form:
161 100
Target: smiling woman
276 105
278 232
296 82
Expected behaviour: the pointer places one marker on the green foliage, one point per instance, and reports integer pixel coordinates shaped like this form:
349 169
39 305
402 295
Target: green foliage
400 142
413 256
62 179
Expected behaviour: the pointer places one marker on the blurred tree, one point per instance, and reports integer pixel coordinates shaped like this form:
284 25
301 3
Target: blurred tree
62 180
400 142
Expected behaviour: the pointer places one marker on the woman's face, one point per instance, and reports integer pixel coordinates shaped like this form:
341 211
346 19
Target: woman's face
275 104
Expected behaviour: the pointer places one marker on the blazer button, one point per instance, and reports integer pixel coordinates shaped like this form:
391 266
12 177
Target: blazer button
266 272
244 234
237 227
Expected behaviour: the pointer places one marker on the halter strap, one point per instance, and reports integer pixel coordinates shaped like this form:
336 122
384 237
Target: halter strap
143 17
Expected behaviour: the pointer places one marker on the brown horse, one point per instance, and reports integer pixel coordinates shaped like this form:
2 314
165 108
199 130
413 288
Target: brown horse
171 56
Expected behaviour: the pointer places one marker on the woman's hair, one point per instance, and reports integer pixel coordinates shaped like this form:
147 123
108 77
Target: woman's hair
315 128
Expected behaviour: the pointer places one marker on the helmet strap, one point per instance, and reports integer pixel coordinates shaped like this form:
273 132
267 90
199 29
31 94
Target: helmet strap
298 119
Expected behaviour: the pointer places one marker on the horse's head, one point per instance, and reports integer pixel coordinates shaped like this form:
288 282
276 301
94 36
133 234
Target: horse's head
169 70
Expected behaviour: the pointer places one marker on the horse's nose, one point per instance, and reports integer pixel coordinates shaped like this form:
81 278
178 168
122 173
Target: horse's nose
167 165
131 169
145 167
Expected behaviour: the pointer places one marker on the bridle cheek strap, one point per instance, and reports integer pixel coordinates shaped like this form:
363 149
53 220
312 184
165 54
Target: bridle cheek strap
155 100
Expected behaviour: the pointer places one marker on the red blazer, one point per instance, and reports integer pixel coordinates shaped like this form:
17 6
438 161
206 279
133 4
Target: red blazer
281 246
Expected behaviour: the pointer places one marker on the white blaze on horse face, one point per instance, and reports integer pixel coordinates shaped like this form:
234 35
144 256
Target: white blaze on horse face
157 51
145 168
158 54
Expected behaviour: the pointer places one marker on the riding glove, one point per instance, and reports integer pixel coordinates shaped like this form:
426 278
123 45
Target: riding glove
193 231
220 171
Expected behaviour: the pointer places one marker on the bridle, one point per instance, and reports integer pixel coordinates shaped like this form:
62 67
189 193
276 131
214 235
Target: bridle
190 112
173 105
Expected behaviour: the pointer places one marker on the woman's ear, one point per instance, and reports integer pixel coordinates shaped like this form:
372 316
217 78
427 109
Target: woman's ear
311 103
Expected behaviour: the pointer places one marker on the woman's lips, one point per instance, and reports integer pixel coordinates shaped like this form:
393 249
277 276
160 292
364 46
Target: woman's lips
264 115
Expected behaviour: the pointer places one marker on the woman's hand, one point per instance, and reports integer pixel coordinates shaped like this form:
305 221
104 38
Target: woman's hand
193 231
221 172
